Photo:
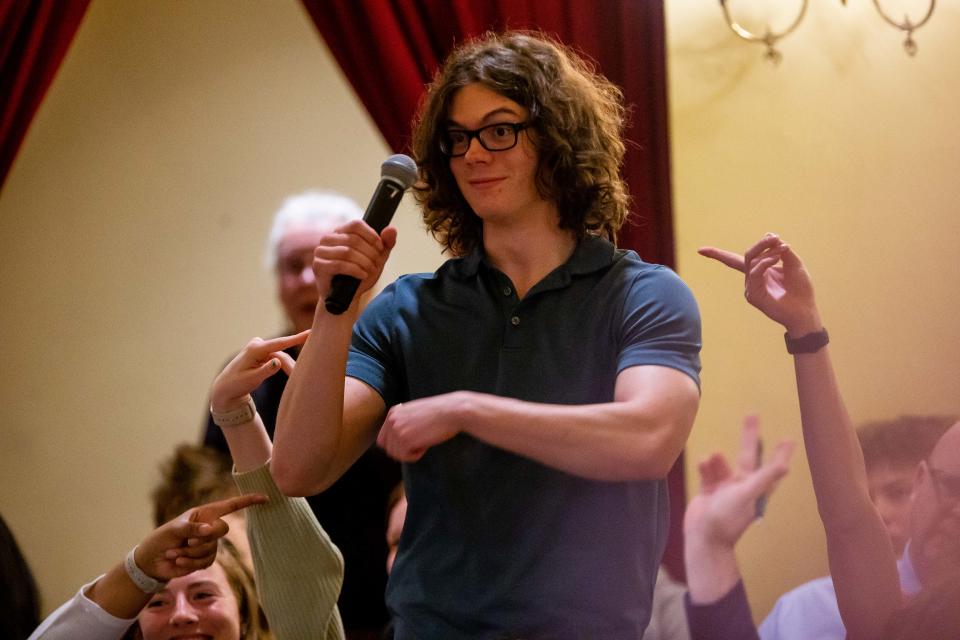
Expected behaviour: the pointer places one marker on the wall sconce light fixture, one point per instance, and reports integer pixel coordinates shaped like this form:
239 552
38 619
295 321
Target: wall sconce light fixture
769 38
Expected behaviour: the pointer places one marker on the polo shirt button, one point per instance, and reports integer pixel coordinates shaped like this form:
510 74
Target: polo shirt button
515 321
507 291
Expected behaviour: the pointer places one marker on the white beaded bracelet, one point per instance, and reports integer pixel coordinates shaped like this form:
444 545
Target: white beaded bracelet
144 582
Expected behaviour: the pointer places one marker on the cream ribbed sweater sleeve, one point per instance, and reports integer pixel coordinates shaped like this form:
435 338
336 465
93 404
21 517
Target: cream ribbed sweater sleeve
298 568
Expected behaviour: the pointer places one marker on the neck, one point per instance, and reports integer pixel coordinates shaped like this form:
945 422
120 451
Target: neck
528 250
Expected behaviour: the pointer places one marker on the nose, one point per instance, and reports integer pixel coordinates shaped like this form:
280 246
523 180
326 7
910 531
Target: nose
306 275
475 151
183 613
886 509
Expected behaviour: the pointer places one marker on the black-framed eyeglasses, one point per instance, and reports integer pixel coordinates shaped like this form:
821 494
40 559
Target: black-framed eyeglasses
947 485
499 136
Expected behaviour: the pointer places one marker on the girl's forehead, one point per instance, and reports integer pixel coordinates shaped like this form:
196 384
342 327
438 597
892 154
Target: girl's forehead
213 574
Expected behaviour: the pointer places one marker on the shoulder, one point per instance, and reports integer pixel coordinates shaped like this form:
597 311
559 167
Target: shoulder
654 297
407 293
807 611
647 277
810 593
412 283
404 288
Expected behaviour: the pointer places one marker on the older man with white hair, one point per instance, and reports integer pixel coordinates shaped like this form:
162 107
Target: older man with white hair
353 510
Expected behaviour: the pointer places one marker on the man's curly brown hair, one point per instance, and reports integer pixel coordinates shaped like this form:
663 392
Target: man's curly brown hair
577 114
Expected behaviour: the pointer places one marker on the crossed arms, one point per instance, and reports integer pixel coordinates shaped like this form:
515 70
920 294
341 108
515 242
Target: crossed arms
327 420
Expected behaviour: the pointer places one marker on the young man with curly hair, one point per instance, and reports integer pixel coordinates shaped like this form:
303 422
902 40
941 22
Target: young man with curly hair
538 387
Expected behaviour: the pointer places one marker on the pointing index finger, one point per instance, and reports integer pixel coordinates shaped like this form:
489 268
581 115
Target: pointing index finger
729 258
284 342
216 510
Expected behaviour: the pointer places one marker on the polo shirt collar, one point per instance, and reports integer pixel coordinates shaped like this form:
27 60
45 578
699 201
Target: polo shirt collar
909 580
591 254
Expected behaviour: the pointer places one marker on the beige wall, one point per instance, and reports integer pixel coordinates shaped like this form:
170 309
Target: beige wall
133 224
849 148
133 227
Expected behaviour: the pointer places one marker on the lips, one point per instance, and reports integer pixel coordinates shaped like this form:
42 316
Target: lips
484 183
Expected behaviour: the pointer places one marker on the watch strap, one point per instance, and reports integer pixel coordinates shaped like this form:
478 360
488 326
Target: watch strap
240 415
144 582
810 343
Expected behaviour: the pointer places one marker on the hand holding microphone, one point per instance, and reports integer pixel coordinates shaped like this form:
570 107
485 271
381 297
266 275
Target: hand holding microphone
397 174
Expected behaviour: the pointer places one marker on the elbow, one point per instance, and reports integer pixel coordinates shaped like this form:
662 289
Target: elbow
636 464
660 467
657 466
651 461
655 445
849 522
290 480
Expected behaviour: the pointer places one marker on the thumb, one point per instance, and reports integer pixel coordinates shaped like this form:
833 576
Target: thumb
184 528
252 378
268 368
789 257
389 237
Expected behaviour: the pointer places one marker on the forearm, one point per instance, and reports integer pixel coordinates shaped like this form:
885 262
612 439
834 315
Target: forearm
614 441
299 569
833 452
727 618
249 444
712 570
862 562
116 594
307 440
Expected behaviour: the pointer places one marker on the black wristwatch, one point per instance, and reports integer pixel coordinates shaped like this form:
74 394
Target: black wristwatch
810 343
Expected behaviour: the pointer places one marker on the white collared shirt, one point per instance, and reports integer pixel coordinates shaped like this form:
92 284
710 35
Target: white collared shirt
810 611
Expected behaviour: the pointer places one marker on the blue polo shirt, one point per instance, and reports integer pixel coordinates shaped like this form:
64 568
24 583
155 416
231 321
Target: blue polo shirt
496 545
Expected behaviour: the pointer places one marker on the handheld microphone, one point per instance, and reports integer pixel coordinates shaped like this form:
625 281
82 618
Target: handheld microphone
397 173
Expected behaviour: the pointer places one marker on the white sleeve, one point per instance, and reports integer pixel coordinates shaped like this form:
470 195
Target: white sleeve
80 618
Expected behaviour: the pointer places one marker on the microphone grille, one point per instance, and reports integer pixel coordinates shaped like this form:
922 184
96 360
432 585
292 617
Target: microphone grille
400 168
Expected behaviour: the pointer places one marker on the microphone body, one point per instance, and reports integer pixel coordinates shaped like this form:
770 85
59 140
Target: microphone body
397 173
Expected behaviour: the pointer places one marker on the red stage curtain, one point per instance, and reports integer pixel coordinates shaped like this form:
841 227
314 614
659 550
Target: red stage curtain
34 37
389 49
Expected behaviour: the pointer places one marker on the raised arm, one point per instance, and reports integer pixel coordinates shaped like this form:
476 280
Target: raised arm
232 405
713 523
326 420
299 570
721 512
862 562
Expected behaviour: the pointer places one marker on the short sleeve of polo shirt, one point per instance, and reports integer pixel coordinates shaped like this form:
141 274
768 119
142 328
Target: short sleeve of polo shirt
660 324
370 358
